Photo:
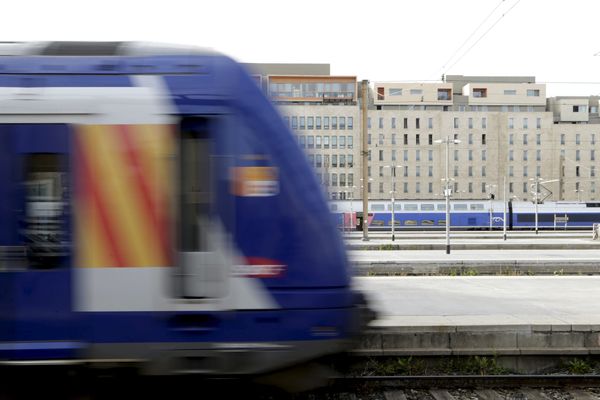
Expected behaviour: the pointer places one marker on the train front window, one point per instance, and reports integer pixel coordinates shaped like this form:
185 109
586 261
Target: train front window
46 205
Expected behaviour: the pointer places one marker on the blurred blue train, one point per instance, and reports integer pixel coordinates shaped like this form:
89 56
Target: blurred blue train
156 211
466 214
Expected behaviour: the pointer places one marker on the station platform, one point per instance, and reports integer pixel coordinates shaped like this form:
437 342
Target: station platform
523 318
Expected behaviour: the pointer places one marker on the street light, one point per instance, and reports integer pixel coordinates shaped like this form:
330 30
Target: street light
535 187
352 207
393 195
447 190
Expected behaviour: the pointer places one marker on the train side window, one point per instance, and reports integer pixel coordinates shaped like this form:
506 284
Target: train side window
460 207
411 207
427 207
441 207
44 229
477 206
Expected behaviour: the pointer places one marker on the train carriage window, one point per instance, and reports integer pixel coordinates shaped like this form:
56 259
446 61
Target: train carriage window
411 207
410 222
427 222
44 228
377 207
441 207
427 207
441 222
476 206
460 207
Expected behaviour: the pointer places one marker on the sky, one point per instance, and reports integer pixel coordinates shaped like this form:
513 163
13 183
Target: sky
418 40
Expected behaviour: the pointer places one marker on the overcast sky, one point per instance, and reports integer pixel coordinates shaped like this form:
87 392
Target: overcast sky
376 40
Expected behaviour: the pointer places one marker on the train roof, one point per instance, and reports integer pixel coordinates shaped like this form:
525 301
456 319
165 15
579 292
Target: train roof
98 49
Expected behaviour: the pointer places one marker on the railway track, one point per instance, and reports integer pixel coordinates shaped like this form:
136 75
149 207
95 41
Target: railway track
463 387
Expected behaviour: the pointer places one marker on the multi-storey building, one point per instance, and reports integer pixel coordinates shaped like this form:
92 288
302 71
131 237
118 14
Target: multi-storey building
509 132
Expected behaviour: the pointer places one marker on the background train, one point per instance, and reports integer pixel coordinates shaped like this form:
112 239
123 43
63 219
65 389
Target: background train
156 212
466 214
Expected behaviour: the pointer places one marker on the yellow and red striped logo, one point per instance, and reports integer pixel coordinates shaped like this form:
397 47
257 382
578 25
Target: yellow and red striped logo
122 201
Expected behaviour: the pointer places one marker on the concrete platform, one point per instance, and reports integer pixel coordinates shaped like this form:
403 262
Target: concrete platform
492 316
476 262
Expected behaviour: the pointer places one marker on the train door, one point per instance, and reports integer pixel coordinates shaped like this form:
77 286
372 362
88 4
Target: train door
40 279
205 254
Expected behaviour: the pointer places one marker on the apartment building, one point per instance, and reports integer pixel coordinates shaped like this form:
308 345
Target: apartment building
510 135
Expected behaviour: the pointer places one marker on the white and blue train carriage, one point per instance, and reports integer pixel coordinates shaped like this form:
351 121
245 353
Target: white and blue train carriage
155 209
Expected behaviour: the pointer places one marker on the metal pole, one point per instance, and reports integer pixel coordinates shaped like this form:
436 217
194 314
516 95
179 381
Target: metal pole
393 221
504 216
393 201
537 189
491 211
365 159
352 210
447 194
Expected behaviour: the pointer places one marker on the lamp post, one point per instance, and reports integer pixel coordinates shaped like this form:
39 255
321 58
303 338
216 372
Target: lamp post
365 220
393 195
447 189
504 214
352 207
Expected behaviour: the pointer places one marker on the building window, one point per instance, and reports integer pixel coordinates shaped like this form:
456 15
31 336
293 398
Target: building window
577 155
577 171
483 187
479 92
538 155
444 94
380 187
318 122
538 138
311 124
405 187
593 139
524 187
342 142
456 123
577 139
369 187
483 155
417 123
405 155
430 123
405 123
302 141
524 170
349 141
483 170
334 123
325 142
511 139
325 122
511 156
302 123
418 155
470 138
393 123
470 123
418 187
538 123
406 170
393 155
405 139
381 139
380 155
334 163
294 122
393 138
430 139
430 155
483 138
455 155
511 189
418 171
484 123
430 170
525 123
350 159
350 123
511 123
286 120
334 142
470 155
524 138
592 155
430 187
511 170
456 170
380 122
579 108
350 179
524 155
592 171
342 179
538 171
470 170
562 138
318 142
417 139
319 160
380 93
533 92
311 142
470 187
311 160
342 123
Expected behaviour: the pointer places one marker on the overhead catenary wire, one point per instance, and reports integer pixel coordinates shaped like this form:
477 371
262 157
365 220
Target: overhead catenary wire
483 35
471 35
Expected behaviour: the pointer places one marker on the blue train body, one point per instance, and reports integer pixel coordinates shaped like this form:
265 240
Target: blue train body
156 210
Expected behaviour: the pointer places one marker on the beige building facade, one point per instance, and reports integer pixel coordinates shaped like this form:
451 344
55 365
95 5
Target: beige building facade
510 135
